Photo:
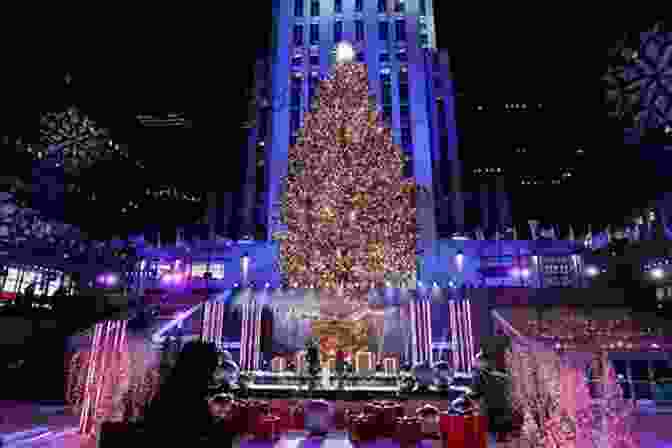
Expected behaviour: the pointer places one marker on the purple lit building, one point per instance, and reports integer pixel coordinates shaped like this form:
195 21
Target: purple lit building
409 77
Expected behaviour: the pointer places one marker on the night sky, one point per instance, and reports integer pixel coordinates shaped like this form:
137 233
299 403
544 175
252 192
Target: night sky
198 61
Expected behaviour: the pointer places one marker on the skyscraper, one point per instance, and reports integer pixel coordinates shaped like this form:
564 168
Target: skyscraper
409 80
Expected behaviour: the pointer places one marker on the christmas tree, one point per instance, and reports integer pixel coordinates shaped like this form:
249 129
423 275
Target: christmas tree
349 212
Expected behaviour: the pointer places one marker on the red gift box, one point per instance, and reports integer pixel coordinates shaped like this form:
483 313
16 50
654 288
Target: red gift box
452 430
267 428
476 431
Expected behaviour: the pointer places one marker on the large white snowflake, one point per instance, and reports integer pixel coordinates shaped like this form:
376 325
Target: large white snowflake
639 83
73 141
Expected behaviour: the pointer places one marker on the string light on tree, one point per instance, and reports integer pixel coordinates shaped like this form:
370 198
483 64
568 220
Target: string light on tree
349 212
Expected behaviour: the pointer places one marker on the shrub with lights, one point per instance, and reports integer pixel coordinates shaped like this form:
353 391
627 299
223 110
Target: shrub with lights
349 213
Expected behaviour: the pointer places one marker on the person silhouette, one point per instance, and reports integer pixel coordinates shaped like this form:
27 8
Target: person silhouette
180 412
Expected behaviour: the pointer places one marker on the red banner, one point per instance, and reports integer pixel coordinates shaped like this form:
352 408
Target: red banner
7 295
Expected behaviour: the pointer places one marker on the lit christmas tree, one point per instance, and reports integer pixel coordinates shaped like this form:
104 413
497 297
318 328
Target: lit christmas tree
350 214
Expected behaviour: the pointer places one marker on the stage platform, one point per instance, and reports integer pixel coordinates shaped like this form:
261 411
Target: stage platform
356 393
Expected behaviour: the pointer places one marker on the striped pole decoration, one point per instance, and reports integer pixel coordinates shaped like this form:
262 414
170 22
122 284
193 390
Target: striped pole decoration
108 341
414 331
470 337
453 335
243 338
428 343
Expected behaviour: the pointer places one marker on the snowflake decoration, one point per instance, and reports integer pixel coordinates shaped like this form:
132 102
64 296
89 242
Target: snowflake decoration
74 140
639 83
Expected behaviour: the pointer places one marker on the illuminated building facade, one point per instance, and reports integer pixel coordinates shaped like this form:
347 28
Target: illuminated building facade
409 78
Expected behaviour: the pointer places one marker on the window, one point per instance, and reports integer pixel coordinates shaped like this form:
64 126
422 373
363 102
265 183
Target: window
12 279
314 59
338 31
387 114
406 140
360 56
295 120
217 270
263 124
198 269
424 40
405 116
297 60
384 57
338 6
438 83
435 59
403 77
402 56
423 7
359 5
408 165
312 87
382 5
383 31
296 92
314 33
400 28
359 30
403 93
386 89
315 8
298 8
399 6
298 35
441 112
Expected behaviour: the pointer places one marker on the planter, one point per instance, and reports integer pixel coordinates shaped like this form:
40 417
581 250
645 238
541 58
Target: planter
362 428
268 428
409 431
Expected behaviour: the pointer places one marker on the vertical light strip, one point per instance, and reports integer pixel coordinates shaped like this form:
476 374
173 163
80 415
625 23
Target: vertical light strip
451 322
84 416
423 327
470 337
259 323
460 338
110 328
423 330
243 337
453 334
255 346
252 335
220 324
414 332
418 330
465 335
206 316
430 348
206 321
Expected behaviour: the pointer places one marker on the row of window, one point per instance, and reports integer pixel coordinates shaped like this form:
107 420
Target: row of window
399 6
383 58
383 32
18 279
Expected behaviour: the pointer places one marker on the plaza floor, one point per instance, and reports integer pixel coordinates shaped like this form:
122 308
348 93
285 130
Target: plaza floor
32 425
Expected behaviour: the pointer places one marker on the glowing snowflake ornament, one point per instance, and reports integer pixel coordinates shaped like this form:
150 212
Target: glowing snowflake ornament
345 52
640 84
